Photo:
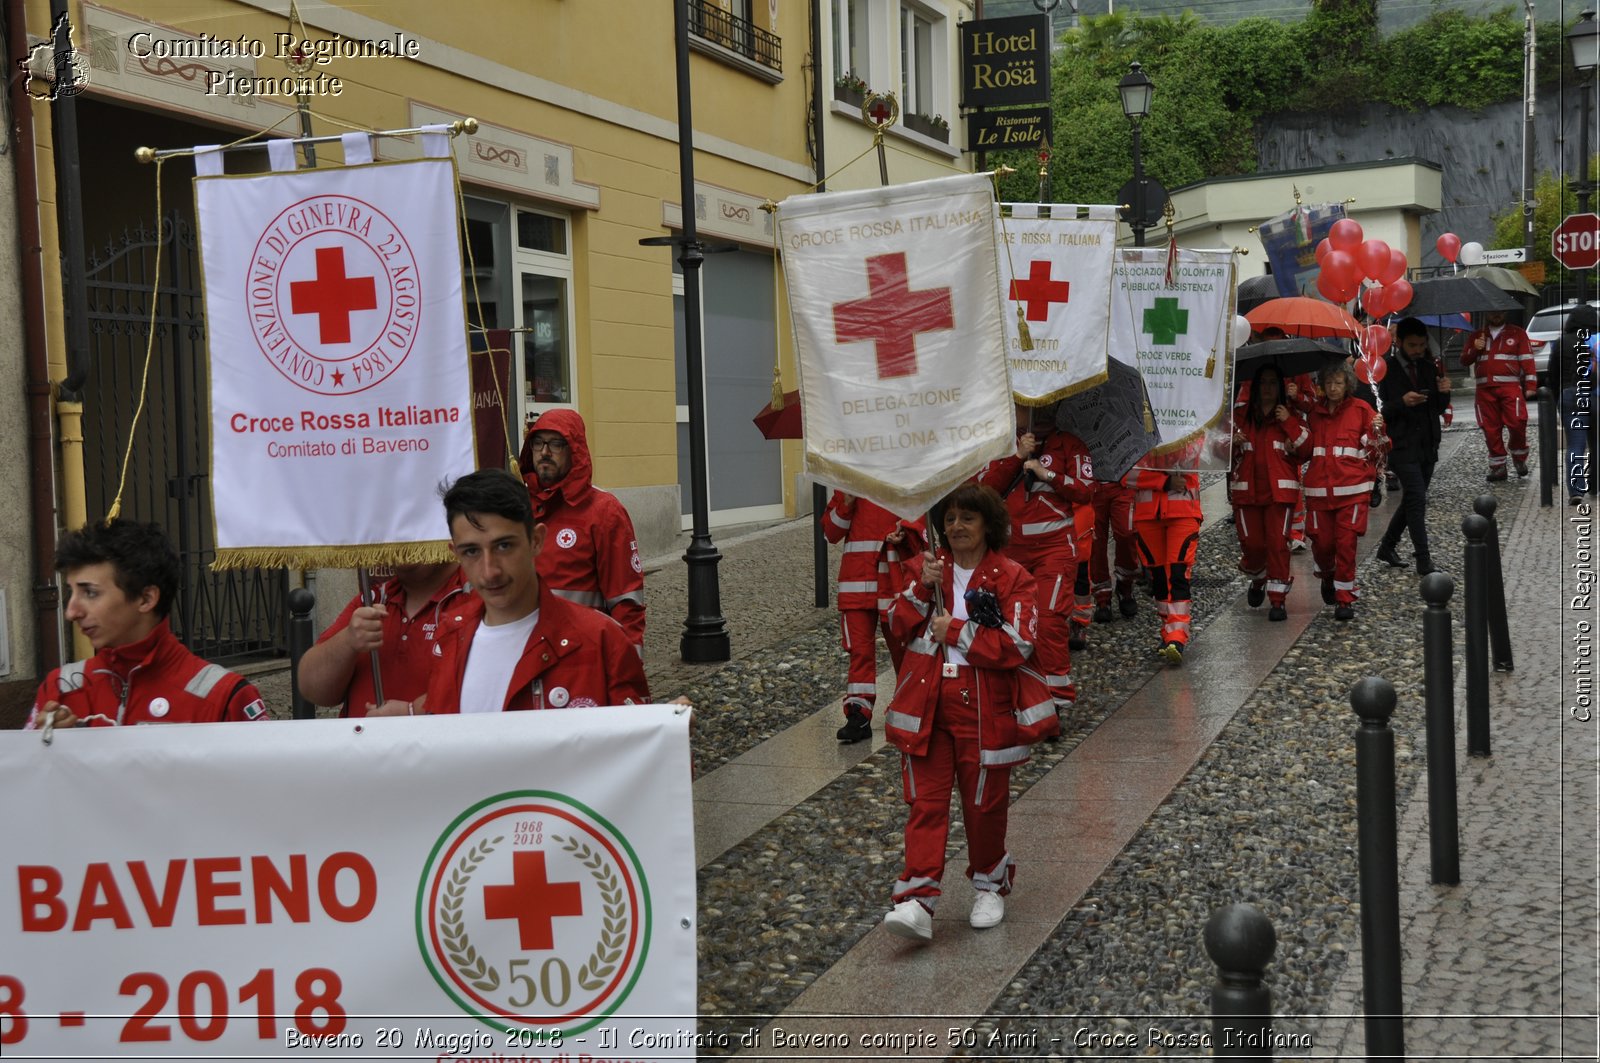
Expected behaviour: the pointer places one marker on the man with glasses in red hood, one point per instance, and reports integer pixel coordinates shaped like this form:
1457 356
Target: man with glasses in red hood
590 554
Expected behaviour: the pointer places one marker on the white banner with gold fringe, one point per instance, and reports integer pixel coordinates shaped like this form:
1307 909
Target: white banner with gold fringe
1172 319
340 387
894 295
1055 276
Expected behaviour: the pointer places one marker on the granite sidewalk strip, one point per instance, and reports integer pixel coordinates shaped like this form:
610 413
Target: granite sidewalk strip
1503 964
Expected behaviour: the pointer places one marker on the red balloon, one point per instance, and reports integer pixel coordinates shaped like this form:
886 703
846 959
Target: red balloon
1375 302
1334 290
1323 247
1396 267
1345 235
1375 341
1341 267
1371 370
1400 295
1373 257
1448 246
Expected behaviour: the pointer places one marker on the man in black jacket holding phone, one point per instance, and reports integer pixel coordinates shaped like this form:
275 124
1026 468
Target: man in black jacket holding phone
1413 394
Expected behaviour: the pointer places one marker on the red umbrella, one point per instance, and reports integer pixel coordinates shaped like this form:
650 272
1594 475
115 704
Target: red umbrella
1300 315
780 424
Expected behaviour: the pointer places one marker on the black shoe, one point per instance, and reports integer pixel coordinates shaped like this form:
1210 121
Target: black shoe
1377 496
1426 568
1344 612
1277 612
1327 592
1391 481
857 727
1386 554
1076 641
1496 476
1522 468
1128 605
1102 614
1256 594
1575 500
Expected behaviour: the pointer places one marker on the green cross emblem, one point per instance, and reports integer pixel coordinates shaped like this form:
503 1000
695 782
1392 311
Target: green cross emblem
1165 321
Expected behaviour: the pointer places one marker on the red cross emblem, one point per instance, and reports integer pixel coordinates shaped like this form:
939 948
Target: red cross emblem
532 900
892 315
1039 291
332 296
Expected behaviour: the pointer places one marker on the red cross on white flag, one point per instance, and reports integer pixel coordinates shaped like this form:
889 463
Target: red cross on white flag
894 294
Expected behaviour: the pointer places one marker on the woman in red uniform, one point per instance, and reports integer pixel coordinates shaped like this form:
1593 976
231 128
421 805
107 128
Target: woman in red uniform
965 709
1346 440
1265 487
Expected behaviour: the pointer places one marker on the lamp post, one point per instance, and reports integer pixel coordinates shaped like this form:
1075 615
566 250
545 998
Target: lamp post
705 632
1136 88
1584 41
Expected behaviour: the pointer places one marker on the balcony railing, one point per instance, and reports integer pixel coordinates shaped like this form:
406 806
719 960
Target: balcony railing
712 23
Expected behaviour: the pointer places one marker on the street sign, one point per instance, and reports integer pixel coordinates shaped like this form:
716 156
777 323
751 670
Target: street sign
1576 241
1513 254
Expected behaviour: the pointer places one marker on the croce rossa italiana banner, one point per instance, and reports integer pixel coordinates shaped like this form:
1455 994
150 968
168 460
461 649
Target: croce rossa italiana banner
894 294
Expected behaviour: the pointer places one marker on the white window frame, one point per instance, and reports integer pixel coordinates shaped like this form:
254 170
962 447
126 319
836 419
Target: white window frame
936 62
845 32
551 266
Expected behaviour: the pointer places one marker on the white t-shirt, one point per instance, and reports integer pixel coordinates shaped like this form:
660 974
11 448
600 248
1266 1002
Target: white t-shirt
958 606
490 662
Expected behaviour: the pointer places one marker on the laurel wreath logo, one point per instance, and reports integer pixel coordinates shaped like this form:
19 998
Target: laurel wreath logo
602 962
452 930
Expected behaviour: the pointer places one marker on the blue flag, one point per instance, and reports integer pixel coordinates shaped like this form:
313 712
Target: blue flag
1291 240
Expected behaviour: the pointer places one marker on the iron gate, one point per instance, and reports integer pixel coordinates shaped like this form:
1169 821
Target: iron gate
218 615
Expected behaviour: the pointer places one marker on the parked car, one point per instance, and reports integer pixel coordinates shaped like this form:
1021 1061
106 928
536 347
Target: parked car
1546 326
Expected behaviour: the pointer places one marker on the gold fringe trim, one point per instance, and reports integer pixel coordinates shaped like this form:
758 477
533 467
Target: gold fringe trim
363 555
1024 336
1062 393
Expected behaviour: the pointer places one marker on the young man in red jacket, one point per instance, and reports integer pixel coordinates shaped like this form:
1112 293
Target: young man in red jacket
122 577
515 644
590 554
1501 357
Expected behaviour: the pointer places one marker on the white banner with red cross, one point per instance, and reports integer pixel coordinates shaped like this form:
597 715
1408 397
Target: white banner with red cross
1055 268
504 886
340 387
894 295
1172 319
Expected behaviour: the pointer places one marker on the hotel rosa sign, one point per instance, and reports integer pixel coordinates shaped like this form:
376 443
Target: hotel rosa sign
1005 61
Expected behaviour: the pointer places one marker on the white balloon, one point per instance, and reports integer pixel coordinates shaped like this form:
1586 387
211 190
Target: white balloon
1241 330
1471 254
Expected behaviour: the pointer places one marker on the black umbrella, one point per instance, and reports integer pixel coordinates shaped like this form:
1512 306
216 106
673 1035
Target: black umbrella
1456 295
1255 291
1110 419
1292 356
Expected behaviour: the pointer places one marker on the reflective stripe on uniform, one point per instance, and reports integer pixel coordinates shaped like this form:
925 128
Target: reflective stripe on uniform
867 547
902 721
205 680
861 688
1035 713
1045 527
637 597
857 587
593 599
989 758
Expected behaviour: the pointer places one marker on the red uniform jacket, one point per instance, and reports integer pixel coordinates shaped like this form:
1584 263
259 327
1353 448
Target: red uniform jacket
1042 510
1263 471
1508 362
1152 500
406 656
871 572
1015 708
1344 449
590 555
578 651
154 680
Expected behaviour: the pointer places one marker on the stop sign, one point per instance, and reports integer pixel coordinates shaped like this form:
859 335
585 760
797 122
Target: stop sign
1576 241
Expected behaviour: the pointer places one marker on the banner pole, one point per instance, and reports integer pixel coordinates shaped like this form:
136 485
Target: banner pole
364 580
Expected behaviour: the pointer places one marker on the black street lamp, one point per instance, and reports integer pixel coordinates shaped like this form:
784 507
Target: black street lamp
1136 88
1584 41
705 632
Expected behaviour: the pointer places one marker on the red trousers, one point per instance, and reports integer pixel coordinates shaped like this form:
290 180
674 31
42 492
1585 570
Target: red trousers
1264 546
1333 546
1168 548
1052 570
952 758
1113 521
859 630
1500 407
1082 593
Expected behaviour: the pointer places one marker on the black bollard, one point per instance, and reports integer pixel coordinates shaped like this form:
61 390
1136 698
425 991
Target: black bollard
1374 699
301 602
1477 622
1240 941
1499 625
1549 461
1444 837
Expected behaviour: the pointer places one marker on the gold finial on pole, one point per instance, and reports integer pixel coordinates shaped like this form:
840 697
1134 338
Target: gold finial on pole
144 155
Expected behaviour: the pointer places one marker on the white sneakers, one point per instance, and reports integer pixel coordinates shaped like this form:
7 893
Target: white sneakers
909 919
988 908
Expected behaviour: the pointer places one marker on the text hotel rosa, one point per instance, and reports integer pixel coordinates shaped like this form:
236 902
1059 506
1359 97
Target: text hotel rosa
897 414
